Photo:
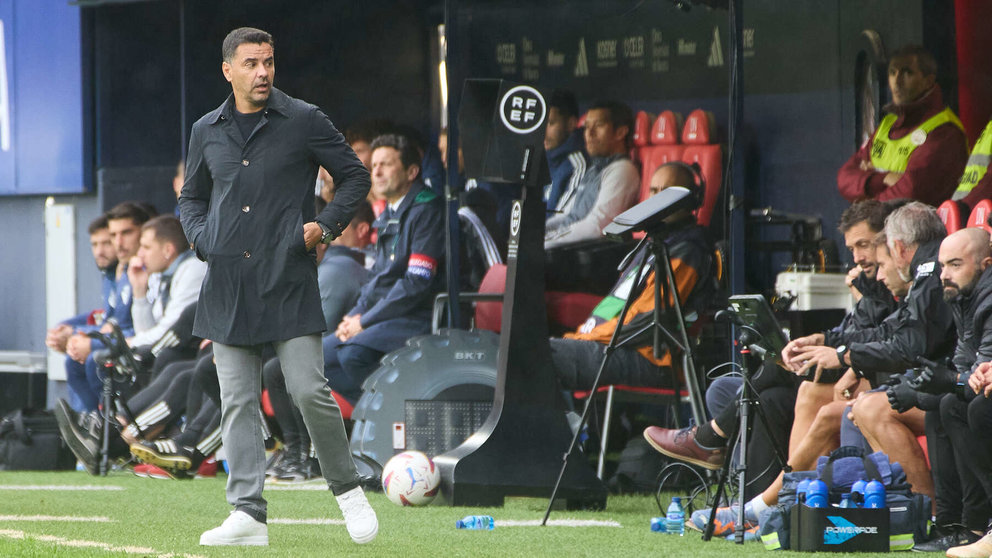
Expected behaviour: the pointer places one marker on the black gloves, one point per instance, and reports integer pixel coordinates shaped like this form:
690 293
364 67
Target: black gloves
902 396
934 378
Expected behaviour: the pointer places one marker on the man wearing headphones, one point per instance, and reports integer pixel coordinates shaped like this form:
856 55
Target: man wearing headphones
577 357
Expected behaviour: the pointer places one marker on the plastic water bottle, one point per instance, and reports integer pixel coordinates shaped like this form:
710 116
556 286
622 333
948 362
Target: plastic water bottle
858 492
816 494
675 518
658 525
801 490
476 522
845 501
875 495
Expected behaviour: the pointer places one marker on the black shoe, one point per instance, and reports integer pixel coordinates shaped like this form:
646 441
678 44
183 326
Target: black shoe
954 535
76 430
300 472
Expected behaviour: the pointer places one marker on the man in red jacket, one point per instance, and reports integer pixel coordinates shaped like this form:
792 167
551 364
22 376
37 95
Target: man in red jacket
919 149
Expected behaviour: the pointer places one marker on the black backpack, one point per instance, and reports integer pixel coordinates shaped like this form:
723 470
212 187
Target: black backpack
30 441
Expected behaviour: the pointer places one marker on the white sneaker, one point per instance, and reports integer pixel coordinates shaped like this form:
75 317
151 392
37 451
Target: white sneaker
238 529
359 517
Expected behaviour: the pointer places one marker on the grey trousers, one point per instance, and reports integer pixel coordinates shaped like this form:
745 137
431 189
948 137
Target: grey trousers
239 371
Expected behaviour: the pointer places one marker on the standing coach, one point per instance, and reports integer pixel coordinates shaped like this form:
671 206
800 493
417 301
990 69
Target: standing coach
247 209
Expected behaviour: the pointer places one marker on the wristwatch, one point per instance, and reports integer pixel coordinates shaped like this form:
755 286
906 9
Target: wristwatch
326 234
841 351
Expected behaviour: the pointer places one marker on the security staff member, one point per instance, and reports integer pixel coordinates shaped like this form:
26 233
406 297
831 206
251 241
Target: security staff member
976 183
919 149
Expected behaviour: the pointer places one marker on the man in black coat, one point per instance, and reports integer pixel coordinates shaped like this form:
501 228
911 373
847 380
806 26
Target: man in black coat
247 209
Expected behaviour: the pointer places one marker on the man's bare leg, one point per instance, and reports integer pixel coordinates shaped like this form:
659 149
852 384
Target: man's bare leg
895 434
809 399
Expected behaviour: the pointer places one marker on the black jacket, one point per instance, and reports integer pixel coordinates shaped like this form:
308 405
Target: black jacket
973 320
876 304
921 327
243 207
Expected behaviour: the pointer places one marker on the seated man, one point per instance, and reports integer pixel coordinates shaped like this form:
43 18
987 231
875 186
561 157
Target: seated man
565 148
963 457
577 357
919 149
165 278
609 186
976 183
705 445
397 301
124 223
105 258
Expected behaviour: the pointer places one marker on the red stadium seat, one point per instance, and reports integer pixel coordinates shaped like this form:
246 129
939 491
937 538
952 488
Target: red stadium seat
980 215
667 128
950 214
699 128
699 137
643 124
664 148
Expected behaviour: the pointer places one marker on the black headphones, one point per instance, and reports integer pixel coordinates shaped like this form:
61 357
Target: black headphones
699 188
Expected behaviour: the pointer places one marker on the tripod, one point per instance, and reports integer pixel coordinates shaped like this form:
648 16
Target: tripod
121 365
747 404
666 303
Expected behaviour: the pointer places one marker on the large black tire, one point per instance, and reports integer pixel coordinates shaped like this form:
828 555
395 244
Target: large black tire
453 365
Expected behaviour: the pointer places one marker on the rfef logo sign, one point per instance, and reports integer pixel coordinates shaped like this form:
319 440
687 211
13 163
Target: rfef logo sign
522 109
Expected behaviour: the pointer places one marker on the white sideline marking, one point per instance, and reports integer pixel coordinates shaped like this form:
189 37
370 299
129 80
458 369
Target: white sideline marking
307 521
93 519
557 523
65 487
77 543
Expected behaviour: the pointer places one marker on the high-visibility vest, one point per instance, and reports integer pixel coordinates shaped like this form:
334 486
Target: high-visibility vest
978 163
892 155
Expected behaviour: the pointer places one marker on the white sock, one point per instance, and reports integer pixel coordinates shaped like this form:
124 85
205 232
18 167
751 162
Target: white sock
754 508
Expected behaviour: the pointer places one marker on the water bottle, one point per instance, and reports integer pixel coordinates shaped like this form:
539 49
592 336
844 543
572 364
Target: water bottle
816 494
845 501
801 491
675 518
875 495
858 492
476 522
658 524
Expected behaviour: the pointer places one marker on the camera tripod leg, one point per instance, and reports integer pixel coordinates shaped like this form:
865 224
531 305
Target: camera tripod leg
108 410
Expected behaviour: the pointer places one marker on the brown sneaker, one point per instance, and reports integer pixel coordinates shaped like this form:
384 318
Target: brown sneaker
681 445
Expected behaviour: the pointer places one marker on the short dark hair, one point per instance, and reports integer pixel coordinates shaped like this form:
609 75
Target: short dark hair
872 212
564 101
97 224
364 213
243 35
168 229
137 212
619 115
924 60
408 153
367 130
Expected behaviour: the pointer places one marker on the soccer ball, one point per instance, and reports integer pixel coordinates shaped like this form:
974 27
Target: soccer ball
411 479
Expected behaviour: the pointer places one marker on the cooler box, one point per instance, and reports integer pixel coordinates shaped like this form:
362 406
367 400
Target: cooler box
815 291
23 380
839 529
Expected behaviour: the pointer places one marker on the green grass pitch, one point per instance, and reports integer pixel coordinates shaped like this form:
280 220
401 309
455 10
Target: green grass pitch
147 517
